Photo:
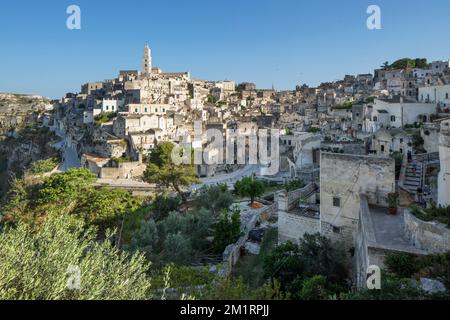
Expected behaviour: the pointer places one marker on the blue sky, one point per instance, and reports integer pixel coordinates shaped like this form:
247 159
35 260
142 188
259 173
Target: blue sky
280 42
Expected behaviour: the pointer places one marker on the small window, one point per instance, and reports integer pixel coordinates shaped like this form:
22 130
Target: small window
446 95
336 202
145 109
136 110
336 229
392 118
375 119
107 108
382 148
401 140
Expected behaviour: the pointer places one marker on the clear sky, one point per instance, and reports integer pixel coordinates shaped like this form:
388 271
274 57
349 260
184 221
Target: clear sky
280 42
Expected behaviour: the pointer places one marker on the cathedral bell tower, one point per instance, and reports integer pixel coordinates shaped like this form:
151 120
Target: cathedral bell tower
147 60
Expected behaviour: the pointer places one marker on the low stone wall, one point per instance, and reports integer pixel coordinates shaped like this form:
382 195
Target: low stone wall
126 170
432 237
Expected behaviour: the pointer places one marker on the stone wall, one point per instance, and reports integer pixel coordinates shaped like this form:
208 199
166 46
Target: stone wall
432 237
292 227
126 170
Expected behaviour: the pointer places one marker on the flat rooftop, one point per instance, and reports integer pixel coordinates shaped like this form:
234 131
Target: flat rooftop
389 228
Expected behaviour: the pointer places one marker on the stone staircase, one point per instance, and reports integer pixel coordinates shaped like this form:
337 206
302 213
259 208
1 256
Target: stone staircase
413 180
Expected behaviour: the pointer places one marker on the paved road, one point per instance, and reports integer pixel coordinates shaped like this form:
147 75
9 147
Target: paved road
70 159
69 154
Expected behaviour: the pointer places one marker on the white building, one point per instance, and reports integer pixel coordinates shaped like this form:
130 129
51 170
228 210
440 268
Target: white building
436 94
385 142
396 113
444 156
111 105
438 67
142 108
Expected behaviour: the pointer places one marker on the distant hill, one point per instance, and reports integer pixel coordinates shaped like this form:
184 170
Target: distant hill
404 63
13 102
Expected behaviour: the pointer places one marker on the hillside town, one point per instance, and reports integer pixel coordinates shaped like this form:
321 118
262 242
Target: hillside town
364 165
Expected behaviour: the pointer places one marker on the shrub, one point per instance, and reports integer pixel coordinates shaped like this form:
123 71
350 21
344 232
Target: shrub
402 264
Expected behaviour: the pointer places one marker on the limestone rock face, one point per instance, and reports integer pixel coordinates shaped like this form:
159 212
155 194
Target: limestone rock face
23 138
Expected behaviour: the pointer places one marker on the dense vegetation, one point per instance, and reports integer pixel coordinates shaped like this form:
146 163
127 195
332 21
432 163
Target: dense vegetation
406 63
104 117
314 266
32 201
44 166
439 214
343 106
63 260
167 235
294 185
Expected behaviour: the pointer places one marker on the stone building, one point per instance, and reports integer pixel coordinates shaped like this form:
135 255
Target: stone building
444 156
298 214
343 178
385 142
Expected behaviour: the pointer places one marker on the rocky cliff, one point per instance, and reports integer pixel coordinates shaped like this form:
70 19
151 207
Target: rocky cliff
23 138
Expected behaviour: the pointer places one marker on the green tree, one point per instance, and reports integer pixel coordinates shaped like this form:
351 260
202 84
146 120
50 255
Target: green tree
39 265
177 249
315 255
227 229
417 140
214 198
165 173
402 264
385 65
163 205
314 288
249 187
61 187
146 239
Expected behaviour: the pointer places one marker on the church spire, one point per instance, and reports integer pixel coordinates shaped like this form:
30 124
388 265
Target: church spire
147 60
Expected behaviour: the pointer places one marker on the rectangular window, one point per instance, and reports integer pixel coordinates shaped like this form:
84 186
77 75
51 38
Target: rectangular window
336 202
336 229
